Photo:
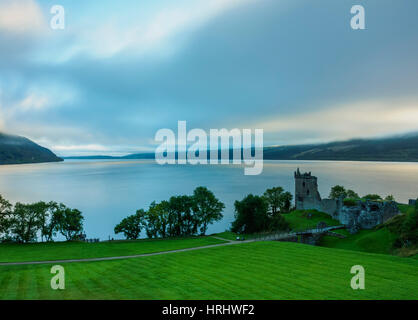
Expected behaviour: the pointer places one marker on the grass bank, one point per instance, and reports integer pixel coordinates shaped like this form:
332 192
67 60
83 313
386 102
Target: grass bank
258 270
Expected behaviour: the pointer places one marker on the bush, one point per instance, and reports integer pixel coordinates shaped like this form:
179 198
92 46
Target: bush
407 229
373 197
349 202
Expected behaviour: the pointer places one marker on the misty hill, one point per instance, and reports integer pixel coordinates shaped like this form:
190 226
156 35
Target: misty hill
17 150
400 148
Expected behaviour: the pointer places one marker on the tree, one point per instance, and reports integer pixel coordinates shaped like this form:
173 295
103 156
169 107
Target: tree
26 221
50 223
273 198
285 201
131 226
152 221
206 207
251 215
338 192
162 211
390 198
69 222
278 200
5 212
157 219
352 195
182 222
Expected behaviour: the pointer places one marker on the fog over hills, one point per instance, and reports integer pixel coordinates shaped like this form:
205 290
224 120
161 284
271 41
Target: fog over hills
395 148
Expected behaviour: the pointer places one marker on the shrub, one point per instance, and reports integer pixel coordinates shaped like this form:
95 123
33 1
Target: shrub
349 202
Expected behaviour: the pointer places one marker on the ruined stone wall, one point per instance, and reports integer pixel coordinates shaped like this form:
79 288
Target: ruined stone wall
330 206
364 215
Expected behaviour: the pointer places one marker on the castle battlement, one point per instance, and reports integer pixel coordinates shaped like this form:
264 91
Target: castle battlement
306 175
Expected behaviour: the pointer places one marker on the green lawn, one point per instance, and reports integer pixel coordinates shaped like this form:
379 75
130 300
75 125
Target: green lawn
299 219
377 241
259 270
81 250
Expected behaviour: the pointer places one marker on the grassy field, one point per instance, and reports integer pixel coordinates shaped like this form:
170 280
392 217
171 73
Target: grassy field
258 270
377 241
299 219
82 250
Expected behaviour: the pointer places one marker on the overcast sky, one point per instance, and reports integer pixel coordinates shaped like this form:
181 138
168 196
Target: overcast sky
121 70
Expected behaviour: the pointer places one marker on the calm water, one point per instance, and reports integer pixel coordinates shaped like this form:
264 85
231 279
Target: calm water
106 190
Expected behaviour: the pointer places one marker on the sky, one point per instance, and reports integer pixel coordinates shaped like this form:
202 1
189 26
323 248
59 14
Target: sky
121 70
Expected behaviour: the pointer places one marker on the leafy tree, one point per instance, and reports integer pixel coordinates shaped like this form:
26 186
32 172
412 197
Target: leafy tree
285 201
390 198
131 226
352 195
338 192
273 198
162 211
50 221
25 222
278 200
251 215
182 222
5 212
157 219
152 221
206 207
373 197
69 222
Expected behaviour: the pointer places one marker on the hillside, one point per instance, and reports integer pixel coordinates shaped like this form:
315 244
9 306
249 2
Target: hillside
17 150
400 148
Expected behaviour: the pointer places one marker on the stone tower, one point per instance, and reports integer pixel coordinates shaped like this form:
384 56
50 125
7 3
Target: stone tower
306 191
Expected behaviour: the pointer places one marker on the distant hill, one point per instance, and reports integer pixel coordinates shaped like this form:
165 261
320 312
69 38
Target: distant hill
400 148
17 150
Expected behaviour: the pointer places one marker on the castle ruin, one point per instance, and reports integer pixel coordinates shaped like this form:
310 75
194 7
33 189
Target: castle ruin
363 215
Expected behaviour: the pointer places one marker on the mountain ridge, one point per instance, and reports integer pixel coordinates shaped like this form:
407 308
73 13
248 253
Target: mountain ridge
403 148
20 150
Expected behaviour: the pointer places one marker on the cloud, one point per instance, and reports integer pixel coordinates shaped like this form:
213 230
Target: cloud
22 16
215 64
361 119
159 33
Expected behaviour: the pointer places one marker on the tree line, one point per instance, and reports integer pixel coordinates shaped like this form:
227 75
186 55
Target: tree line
338 192
177 217
191 215
262 213
29 222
